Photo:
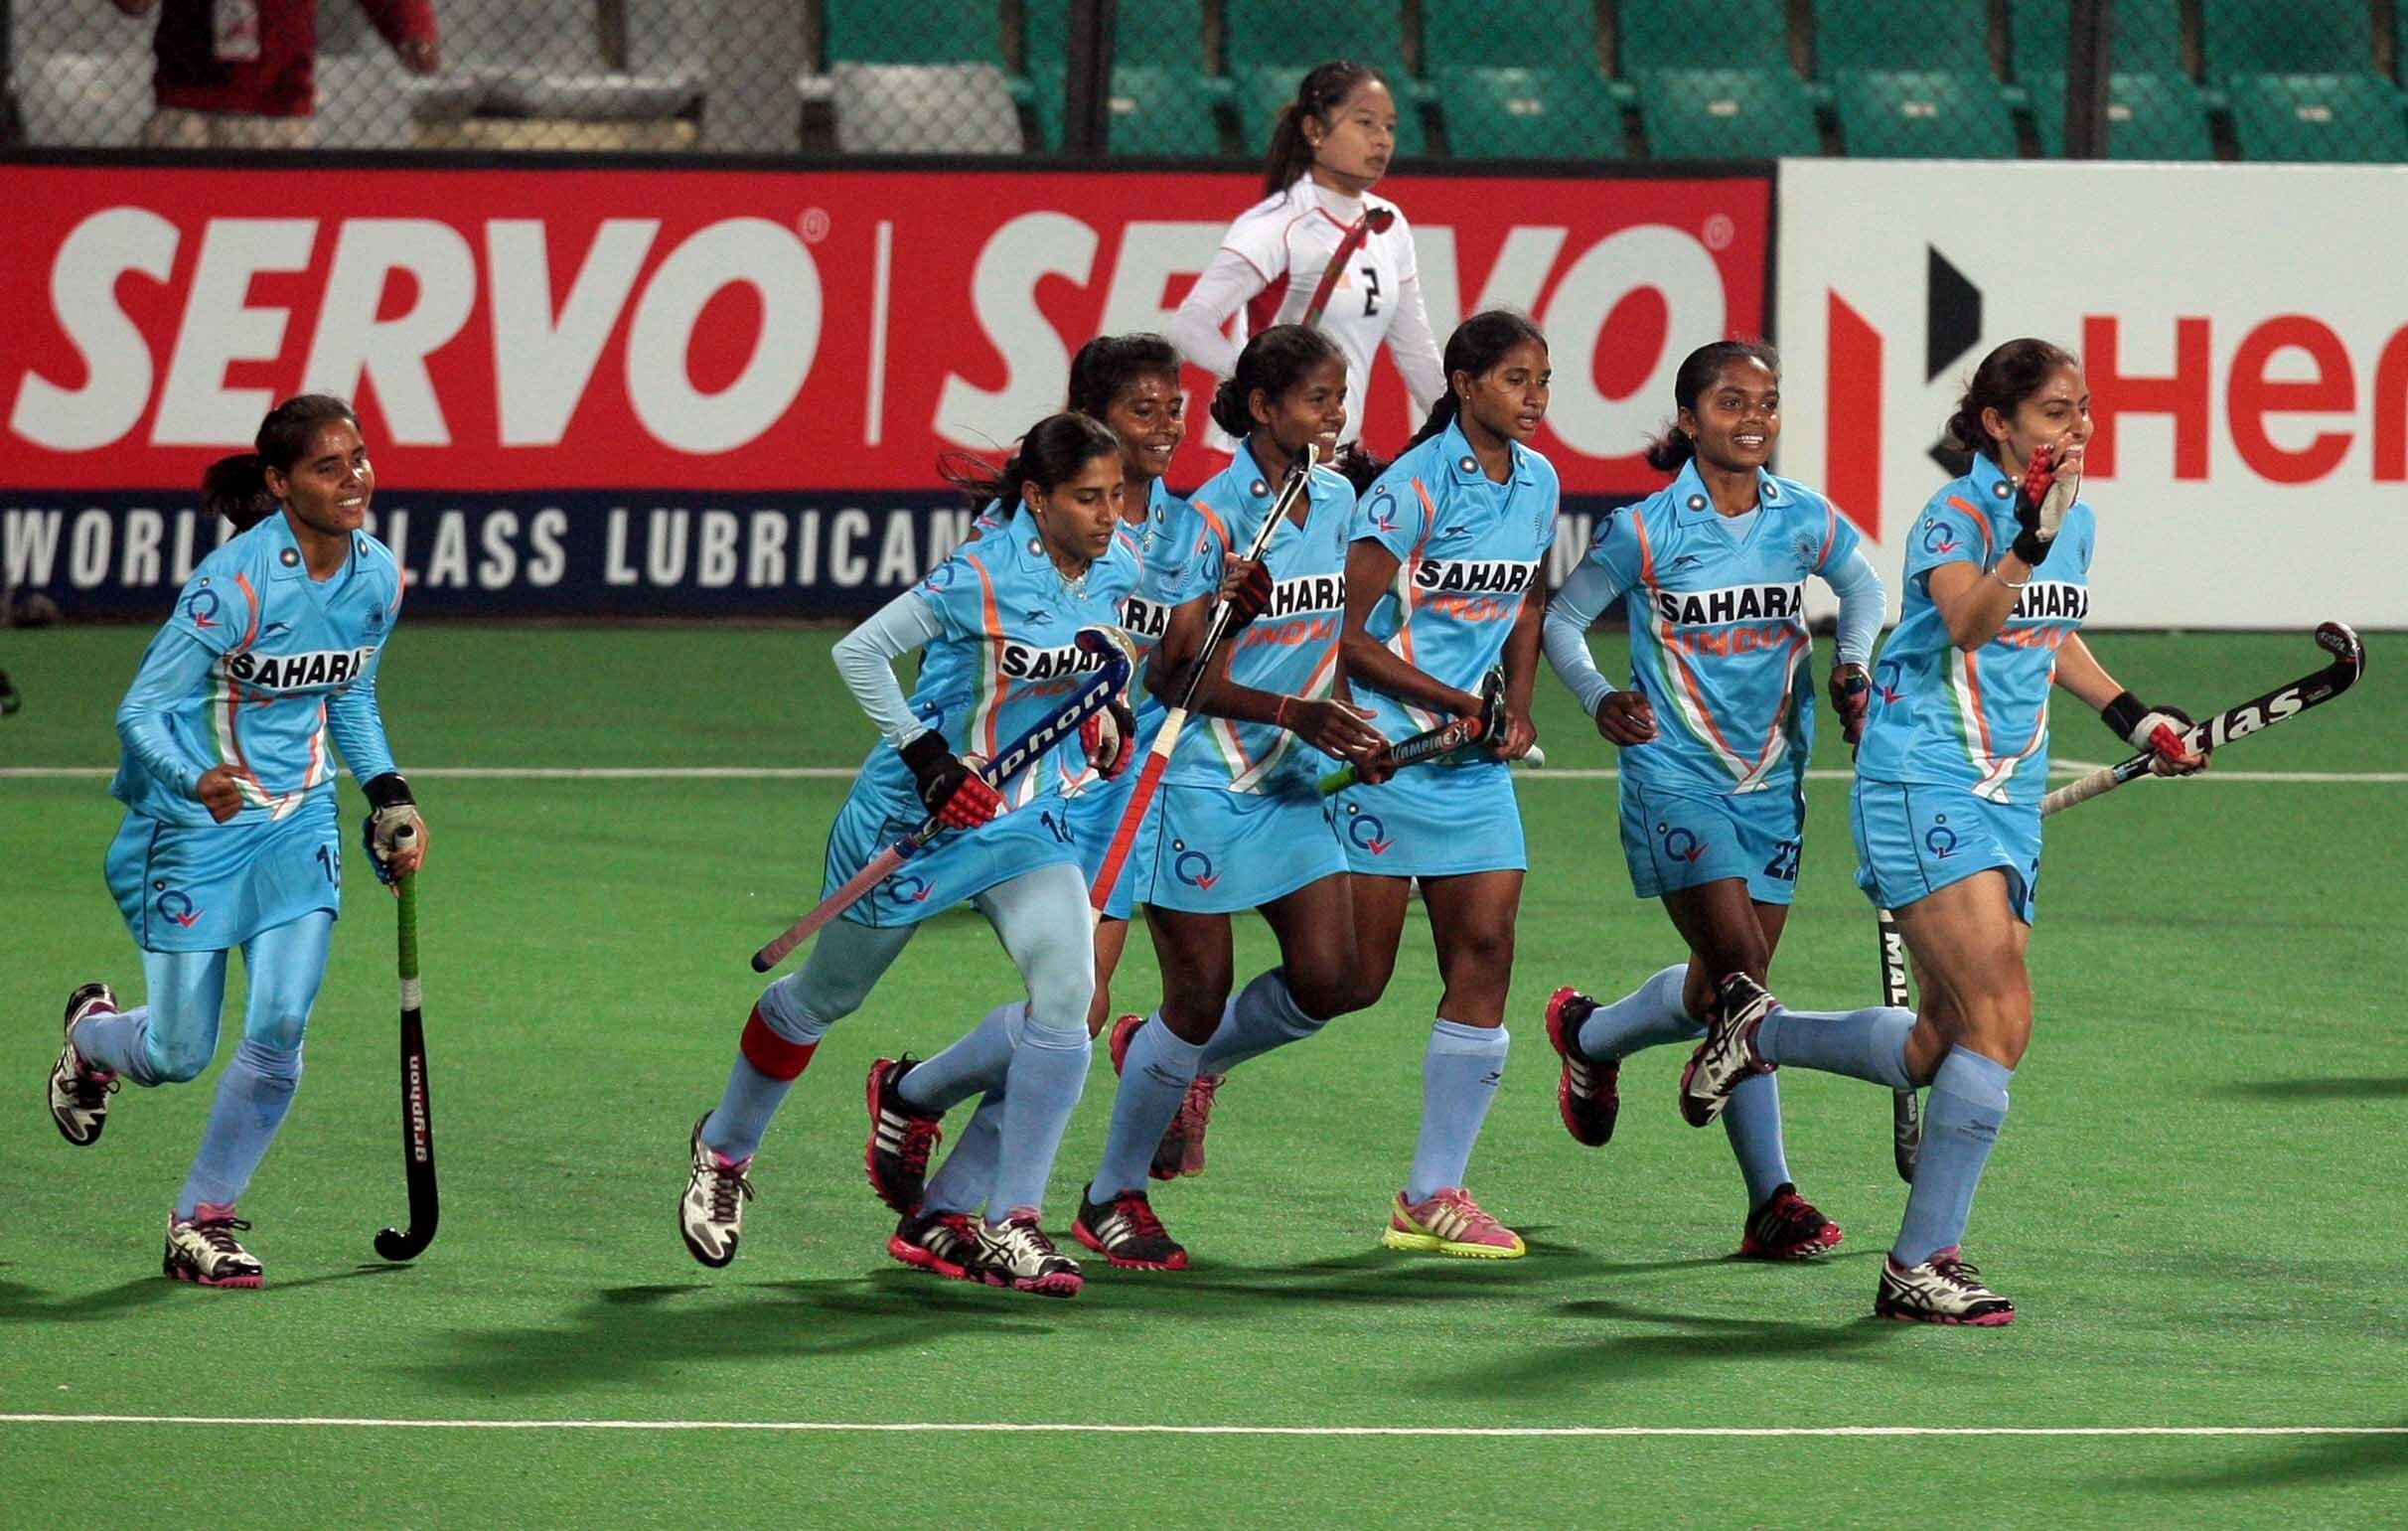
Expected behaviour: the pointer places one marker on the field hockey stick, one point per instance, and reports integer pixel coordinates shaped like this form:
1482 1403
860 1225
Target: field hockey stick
417 1123
1905 1106
1094 694
2277 706
2284 701
1435 743
1166 737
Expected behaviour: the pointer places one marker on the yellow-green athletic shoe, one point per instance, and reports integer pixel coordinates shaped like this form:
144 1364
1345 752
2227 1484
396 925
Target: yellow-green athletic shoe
1450 1223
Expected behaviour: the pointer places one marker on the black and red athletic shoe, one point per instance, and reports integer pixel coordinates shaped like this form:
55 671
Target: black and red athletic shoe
901 1137
1588 1094
943 1242
1126 1232
1787 1227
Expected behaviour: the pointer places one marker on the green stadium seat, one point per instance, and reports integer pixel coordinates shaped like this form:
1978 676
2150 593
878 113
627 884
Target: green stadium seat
1713 114
1922 115
1851 36
2147 38
930 32
1152 109
1517 114
2318 118
2293 36
2149 116
1692 34
1261 93
1551 33
1262 33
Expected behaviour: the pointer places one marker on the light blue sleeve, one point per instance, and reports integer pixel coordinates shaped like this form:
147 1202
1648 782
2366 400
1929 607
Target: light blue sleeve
865 662
175 667
1576 608
1863 605
359 726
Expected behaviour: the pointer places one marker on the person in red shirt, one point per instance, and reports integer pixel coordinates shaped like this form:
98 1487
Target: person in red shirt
241 74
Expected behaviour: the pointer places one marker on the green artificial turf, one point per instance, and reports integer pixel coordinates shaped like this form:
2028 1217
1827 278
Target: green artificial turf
2192 1204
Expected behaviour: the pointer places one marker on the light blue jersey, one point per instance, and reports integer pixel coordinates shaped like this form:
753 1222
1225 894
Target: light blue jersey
1006 658
1942 717
294 660
1292 648
1718 644
1468 551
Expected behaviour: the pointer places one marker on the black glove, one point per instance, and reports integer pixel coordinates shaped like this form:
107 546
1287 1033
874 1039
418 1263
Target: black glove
949 789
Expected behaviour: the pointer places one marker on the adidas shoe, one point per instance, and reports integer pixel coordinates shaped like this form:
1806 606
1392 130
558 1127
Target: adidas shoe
1727 1057
1126 1232
1587 1096
945 1243
1181 1150
1942 1290
901 1138
203 1249
1450 1223
1016 1253
78 1095
1787 1227
710 1215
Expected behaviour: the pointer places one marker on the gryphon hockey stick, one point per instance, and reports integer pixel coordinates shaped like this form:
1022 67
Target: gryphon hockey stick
2277 706
417 1123
1093 697
1166 737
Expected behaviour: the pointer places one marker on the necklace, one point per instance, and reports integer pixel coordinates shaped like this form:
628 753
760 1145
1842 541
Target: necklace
1076 584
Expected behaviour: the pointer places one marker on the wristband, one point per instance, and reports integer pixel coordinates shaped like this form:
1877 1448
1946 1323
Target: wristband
387 791
2122 715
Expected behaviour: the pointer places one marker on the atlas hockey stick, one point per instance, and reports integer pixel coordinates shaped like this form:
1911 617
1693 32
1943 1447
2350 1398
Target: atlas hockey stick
1093 696
417 1122
2278 705
1166 737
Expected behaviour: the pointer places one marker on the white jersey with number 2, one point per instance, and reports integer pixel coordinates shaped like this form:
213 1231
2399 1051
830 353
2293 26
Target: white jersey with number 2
1271 261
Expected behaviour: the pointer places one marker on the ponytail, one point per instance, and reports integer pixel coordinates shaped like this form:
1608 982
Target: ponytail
1671 451
1272 363
236 488
1319 95
1053 452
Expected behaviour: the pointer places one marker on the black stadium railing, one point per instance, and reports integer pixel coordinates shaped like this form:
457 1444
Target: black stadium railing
1581 80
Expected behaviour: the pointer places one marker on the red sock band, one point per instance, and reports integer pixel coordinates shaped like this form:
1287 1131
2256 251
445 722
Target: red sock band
770 1053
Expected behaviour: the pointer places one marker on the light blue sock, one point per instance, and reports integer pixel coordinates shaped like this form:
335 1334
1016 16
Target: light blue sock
1752 1118
118 1043
1265 1016
1867 1045
1048 1070
253 1095
1648 1016
1961 1121
773 1052
971 1066
960 1182
1461 1070
1153 1080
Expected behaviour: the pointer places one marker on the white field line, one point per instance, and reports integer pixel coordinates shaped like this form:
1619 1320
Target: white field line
2064 767
1450 1432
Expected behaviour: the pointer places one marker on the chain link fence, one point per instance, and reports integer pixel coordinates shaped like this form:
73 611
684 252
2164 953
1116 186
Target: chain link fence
1532 80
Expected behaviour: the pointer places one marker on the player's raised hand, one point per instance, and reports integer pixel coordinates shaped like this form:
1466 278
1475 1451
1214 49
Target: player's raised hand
1851 699
1624 718
2050 481
218 793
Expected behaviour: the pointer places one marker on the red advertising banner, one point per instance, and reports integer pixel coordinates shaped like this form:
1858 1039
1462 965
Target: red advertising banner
717 331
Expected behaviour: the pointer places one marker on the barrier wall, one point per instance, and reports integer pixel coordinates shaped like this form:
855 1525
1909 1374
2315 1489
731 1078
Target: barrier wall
623 392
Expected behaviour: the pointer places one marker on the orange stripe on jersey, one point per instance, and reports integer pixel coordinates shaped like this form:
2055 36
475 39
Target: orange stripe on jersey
1981 716
1981 524
1646 550
1429 521
1219 527
1780 714
1831 534
253 632
992 621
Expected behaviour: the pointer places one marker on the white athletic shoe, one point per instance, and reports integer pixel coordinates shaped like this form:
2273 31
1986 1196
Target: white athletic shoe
710 1215
203 1249
1942 1290
78 1095
1726 1058
1018 1254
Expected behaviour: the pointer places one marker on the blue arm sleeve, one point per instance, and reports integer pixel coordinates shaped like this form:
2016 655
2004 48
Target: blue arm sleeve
1592 589
359 728
1863 605
174 668
865 661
